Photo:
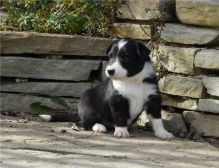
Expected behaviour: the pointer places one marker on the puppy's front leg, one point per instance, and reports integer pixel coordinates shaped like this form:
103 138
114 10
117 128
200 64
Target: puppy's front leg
153 108
120 111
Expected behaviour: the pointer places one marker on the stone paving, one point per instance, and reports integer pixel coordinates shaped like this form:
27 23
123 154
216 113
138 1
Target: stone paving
35 144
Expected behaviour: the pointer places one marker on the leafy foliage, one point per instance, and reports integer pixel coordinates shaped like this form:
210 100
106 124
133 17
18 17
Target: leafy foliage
90 17
40 108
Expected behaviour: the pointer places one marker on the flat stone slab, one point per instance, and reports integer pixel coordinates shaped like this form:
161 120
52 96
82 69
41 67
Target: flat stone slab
40 144
184 34
180 102
176 59
45 43
38 68
131 30
47 88
146 9
199 12
181 86
207 59
211 83
209 105
202 124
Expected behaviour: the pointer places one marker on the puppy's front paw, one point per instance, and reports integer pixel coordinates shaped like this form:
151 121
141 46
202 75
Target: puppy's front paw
164 134
121 132
99 128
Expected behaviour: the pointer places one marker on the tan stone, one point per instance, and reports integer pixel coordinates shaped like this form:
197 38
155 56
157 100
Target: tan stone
179 102
211 84
209 105
130 30
146 9
181 86
184 34
44 43
176 59
198 12
207 59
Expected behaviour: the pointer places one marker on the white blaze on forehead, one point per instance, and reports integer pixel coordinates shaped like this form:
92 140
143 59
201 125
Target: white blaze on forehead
121 43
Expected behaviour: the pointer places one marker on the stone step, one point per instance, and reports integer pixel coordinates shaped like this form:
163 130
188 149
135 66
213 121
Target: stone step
47 88
37 68
44 43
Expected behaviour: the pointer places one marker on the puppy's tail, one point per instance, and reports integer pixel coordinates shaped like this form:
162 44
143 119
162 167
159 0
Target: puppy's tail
61 117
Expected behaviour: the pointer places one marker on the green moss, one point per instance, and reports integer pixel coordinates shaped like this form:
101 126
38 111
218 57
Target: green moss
84 17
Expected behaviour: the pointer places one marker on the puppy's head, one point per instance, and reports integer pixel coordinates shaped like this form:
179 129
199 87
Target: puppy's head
126 58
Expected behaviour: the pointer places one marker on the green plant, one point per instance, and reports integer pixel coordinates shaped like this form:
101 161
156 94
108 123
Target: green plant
90 17
40 108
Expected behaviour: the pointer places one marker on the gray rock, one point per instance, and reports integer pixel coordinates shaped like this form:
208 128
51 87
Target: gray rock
130 30
203 124
146 9
174 122
44 43
21 103
176 59
180 102
209 105
207 59
181 86
47 88
211 84
201 12
37 68
184 34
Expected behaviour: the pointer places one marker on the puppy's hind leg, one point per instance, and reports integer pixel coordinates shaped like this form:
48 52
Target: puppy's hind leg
153 108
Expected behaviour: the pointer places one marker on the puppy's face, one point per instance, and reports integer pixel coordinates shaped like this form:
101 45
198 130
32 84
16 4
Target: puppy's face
126 58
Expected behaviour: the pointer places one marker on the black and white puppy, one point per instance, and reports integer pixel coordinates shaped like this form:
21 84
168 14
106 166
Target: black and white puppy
131 88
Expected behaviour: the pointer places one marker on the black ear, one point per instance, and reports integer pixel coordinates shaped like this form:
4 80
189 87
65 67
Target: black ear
110 47
143 51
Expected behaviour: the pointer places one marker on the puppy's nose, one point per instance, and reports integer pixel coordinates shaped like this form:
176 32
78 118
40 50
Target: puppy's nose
111 72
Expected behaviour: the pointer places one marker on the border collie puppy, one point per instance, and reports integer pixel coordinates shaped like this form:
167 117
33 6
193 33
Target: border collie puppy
131 88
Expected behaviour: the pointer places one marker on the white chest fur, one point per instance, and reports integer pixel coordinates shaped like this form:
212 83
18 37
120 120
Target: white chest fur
137 94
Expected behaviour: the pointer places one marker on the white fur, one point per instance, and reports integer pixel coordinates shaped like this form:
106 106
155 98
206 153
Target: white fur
121 132
120 72
121 43
99 128
46 117
136 91
159 129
